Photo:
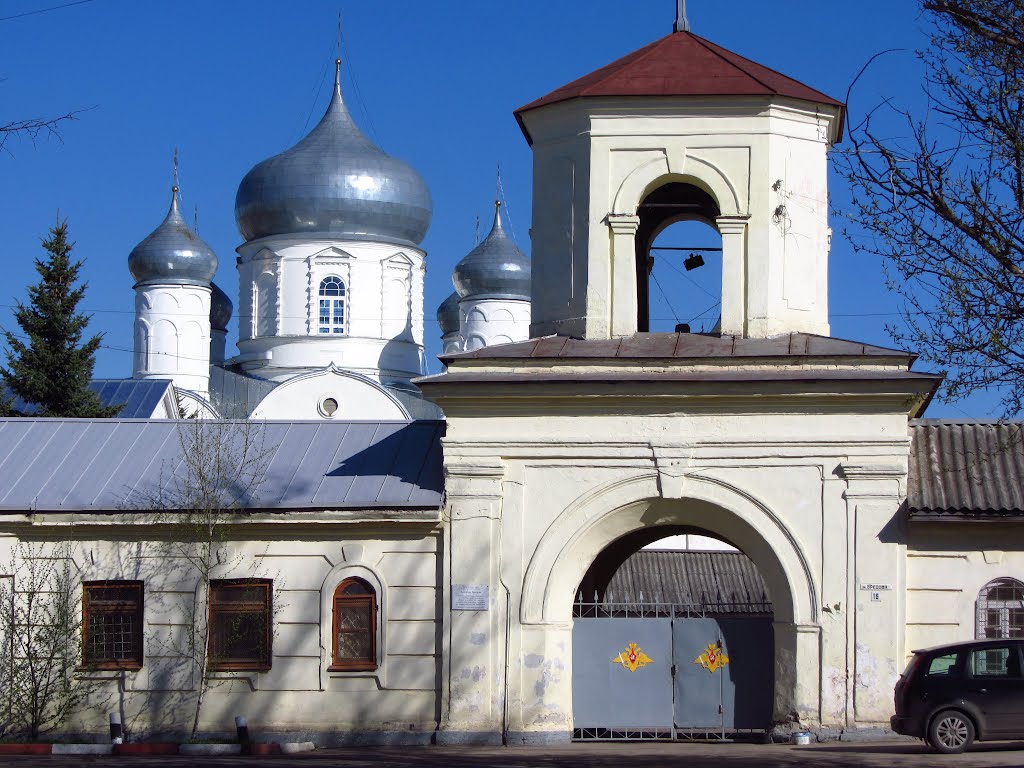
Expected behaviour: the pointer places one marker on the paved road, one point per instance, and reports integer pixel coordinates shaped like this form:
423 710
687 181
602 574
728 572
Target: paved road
860 755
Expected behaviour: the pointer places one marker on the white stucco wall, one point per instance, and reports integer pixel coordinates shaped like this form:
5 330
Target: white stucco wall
355 398
948 564
764 162
279 282
483 322
172 335
809 495
298 697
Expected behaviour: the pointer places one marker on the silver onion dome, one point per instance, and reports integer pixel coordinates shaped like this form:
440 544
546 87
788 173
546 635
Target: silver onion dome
448 314
495 269
172 254
220 308
334 182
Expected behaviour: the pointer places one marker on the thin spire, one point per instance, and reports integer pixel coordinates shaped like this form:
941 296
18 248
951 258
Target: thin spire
497 197
476 232
337 75
195 219
339 33
682 23
174 186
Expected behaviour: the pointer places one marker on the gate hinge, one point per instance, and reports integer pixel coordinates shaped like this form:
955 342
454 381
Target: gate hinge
673 670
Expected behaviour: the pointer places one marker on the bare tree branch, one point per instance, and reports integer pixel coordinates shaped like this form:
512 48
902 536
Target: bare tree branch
943 204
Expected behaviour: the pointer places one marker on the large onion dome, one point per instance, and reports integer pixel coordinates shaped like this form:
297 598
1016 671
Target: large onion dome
334 182
172 254
220 308
495 269
448 314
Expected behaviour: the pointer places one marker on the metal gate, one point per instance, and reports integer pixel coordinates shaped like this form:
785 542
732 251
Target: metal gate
661 671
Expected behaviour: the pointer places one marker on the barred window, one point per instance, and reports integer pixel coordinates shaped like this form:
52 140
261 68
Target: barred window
332 306
112 624
1001 609
240 624
355 626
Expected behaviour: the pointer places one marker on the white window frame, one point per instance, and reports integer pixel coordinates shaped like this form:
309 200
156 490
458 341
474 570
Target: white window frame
335 304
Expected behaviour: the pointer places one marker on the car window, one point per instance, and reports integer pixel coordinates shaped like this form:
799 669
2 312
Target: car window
942 666
1001 661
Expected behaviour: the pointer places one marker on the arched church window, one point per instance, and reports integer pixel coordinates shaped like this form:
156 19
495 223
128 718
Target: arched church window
1001 609
355 627
332 305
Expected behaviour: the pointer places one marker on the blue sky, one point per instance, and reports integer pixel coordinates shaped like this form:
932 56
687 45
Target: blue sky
434 84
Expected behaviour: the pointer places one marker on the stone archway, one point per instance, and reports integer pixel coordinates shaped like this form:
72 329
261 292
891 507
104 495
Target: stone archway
605 515
724 206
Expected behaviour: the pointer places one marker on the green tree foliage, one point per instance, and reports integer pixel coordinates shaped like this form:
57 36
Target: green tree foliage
939 193
51 368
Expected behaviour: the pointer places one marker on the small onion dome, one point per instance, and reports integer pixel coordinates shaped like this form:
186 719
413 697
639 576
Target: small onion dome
220 308
495 269
448 315
172 254
334 182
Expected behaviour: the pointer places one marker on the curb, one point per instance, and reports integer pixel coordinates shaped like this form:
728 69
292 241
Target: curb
209 749
25 749
81 749
158 748
147 748
295 747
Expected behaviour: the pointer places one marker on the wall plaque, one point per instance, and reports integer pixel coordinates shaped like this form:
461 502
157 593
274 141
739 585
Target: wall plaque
470 597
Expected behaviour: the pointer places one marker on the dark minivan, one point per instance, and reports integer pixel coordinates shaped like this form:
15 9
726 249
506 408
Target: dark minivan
952 695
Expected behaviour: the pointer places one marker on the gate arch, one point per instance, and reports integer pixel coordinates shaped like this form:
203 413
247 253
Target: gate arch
584 529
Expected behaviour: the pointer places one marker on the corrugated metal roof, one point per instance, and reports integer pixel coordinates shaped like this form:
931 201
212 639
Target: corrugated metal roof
139 396
965 469
715 579
104 465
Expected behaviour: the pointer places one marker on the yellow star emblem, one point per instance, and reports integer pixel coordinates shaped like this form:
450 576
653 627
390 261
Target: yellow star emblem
632 658
712 658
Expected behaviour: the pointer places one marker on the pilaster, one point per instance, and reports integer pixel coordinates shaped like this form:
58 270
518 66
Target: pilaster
734 274
873 496
475 609
623 320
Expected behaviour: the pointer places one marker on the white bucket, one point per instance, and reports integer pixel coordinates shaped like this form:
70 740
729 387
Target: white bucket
801 738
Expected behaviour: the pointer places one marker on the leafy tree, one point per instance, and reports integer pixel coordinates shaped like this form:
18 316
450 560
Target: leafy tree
53 367
939 193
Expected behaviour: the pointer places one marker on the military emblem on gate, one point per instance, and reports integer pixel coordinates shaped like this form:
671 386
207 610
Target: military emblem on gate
712 658
632 658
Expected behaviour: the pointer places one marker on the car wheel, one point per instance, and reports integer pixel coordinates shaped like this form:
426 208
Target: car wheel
951 731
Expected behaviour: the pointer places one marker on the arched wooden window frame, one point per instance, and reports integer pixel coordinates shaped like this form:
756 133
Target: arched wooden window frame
1000 609
342 601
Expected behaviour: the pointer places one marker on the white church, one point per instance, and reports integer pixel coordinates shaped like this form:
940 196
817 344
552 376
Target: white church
459 558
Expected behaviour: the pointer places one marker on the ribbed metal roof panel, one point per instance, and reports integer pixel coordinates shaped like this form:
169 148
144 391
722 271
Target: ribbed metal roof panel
965 469
104 465
686 577
138 398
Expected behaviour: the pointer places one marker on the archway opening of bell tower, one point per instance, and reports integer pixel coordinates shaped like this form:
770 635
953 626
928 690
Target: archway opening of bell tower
678 259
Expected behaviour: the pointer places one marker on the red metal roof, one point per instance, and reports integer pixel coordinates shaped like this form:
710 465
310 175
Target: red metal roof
682 64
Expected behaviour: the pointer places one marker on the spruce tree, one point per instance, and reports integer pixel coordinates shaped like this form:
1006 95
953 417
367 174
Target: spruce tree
51 368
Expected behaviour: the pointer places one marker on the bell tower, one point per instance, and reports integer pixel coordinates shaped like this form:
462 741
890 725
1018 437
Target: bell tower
679 130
